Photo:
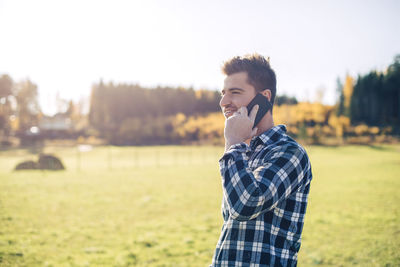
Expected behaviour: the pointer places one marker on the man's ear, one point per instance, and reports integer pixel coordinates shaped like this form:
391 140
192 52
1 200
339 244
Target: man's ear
267 93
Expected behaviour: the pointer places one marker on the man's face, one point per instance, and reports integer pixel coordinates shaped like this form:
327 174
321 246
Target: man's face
237 92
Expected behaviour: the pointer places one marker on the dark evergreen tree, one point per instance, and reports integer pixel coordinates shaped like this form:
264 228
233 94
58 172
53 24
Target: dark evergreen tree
376 97
340 104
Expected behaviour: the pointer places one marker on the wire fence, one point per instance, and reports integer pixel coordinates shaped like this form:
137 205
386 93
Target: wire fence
112 158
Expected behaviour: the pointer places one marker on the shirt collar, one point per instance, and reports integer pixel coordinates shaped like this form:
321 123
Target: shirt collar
268 137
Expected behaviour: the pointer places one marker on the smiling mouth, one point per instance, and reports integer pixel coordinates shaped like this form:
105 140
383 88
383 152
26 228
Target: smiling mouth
228 112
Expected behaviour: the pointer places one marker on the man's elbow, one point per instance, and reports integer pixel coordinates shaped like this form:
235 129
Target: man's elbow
242 215
247 213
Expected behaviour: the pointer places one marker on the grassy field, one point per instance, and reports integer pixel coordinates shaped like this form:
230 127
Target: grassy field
160 206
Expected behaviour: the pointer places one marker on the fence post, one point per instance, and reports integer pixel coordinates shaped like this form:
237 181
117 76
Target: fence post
109 158
157 158
136 158
78 159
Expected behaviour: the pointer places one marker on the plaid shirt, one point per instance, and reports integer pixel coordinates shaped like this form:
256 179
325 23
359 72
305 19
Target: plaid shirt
265 189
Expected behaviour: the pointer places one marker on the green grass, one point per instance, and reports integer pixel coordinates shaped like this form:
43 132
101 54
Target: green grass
160 206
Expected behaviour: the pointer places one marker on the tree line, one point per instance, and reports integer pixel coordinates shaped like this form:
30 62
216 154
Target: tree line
129 114
376 98
133 115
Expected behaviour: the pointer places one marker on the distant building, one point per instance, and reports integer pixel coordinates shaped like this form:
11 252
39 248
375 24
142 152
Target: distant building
58 122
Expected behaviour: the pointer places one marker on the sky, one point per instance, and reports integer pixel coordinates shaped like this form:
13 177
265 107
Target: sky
66 46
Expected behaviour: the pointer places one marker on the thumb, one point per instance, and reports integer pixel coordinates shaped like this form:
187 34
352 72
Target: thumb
254 132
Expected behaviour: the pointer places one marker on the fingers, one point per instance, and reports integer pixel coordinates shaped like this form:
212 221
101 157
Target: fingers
243 111
253 113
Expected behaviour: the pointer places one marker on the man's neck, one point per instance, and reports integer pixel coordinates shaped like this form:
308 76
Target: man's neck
266 123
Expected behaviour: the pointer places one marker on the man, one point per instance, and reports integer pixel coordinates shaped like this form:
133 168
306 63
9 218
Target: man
265 175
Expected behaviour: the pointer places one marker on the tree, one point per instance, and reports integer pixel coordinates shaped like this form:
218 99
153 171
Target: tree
6 91
347 94
284 99
319 94
340 104
391 95
6 86
28 109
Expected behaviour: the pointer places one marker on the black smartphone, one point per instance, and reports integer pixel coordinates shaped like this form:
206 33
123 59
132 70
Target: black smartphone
263 107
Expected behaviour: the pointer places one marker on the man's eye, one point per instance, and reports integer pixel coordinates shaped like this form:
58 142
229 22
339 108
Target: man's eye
235 92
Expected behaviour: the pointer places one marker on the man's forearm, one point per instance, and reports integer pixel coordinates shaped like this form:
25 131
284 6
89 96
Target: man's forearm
251 192
240 187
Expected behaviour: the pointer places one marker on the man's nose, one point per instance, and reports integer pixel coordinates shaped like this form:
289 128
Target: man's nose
225 100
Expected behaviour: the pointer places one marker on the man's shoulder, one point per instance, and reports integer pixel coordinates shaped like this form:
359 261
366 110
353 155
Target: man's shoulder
277 138
285 147
293 145
285 142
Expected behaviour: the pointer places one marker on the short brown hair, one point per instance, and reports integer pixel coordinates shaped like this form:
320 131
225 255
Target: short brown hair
259 72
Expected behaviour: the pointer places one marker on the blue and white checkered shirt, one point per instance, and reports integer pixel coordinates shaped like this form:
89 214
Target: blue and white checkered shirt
265 190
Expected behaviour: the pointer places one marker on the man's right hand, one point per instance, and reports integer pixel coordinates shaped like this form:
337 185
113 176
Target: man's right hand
238 127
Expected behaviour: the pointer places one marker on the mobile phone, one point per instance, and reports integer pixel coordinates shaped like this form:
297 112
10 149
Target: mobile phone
263 107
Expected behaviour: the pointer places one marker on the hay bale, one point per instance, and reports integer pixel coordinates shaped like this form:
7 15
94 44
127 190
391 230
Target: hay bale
27 165
50 162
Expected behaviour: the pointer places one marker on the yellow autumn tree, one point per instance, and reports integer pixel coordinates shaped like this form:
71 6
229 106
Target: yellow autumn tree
347 93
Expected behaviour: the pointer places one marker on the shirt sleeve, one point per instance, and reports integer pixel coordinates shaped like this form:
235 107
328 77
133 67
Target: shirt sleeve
250 193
